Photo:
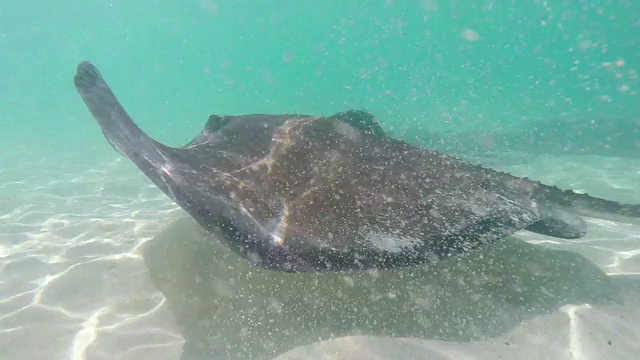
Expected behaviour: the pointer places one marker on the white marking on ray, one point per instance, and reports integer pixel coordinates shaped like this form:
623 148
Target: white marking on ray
169 174
392 243
278 232
168 169
255 165
257 225
225 174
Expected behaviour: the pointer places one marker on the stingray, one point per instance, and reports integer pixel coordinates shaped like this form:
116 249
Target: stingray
303 193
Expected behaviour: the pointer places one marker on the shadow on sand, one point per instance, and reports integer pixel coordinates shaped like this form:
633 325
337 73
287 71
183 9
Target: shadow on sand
229 309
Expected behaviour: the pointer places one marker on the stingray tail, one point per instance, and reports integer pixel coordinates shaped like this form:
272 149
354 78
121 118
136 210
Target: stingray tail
585 204
552 197
561 211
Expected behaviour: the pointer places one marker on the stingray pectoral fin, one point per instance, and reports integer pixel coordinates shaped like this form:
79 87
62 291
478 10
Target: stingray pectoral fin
120 130
560 224
117 126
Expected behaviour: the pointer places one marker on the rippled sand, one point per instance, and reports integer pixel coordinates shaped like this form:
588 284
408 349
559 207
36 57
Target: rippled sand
73 284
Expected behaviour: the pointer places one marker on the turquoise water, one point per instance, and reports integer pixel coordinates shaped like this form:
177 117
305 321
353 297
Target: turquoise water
547 89
413 63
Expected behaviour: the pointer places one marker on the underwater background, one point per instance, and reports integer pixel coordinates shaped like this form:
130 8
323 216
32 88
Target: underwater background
545 89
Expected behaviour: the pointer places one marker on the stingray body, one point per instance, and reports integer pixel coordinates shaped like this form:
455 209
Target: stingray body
301 193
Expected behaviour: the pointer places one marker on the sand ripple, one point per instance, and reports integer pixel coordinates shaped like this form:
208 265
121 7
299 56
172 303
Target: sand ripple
71 283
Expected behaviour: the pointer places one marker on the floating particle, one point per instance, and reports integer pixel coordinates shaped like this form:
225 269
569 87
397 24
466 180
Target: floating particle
430 5
210 7
470 35
584 45
287 57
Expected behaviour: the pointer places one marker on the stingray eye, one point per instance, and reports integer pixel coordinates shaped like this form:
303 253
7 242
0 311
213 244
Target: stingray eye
485 184
216 122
